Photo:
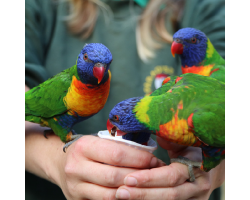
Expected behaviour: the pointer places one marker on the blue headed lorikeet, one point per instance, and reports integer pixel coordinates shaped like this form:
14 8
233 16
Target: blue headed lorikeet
73 95
188 110
197 54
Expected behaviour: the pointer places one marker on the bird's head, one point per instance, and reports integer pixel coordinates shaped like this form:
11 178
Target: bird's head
93 63
122 118
191 45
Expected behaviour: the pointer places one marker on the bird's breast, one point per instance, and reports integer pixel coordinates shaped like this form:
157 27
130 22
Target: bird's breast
201 70
86 99
178 129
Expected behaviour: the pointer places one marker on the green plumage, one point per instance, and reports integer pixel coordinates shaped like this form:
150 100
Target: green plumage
188 110
69 97
218 70
202 96
46 100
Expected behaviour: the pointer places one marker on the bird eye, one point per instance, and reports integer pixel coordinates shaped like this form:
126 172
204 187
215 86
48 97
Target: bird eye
193 40
178 40
85 56
116 117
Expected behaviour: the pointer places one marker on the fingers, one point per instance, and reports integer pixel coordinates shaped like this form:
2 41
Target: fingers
84 156
200 189
184 191
167 176
98 173
112 153
84 190
168 182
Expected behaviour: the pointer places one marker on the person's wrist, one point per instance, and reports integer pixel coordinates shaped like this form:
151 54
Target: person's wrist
54 165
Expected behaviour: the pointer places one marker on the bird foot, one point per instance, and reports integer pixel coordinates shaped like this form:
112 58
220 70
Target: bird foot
48 131
73 132
74 137
190 165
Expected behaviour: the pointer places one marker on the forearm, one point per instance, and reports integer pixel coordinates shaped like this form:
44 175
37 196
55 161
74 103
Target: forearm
41 154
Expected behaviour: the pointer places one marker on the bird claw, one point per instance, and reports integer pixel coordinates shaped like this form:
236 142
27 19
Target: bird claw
73 139
45 132
190 164
73 132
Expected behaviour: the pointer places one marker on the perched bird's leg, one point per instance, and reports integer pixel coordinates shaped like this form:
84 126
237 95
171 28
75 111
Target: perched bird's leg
45 132
73 139
73 132
190 165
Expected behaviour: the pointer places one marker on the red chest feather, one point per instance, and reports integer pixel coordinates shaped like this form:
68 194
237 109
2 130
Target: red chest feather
202 70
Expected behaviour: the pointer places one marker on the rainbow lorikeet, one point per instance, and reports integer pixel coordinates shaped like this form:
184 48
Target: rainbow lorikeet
187 110
73 95
197 54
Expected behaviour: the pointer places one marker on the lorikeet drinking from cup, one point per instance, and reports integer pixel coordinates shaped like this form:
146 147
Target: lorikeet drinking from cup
187 110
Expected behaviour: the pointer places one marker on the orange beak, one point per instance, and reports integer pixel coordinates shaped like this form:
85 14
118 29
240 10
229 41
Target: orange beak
176 48
109 126
112 128
98 71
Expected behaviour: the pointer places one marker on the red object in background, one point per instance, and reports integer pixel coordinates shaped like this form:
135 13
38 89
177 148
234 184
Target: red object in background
159 78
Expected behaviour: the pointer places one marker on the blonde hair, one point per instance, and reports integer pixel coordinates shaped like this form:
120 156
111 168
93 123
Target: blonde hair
150 31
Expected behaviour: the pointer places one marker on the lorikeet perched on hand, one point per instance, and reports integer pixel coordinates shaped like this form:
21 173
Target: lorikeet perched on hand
187 110
73 95
197 54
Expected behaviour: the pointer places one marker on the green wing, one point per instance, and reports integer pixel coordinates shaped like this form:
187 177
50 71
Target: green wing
219 74
164 88
209 119
208 108
46 99
200 95
218 71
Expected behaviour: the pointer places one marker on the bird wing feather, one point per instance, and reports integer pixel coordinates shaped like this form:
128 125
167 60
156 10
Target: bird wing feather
46 99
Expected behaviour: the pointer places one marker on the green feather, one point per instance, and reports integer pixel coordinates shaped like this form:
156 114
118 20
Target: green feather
203 96
214 58
46 99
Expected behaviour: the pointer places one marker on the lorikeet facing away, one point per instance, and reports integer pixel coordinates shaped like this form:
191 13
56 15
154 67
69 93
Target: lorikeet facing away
187 110
197 54
73 95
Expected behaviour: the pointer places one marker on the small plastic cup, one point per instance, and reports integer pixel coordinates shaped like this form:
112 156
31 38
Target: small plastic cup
151 146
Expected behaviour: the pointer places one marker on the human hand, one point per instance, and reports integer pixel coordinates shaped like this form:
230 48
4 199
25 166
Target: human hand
82 174
170 182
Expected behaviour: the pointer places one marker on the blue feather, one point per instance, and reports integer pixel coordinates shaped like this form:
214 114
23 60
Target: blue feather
97 53
193 54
